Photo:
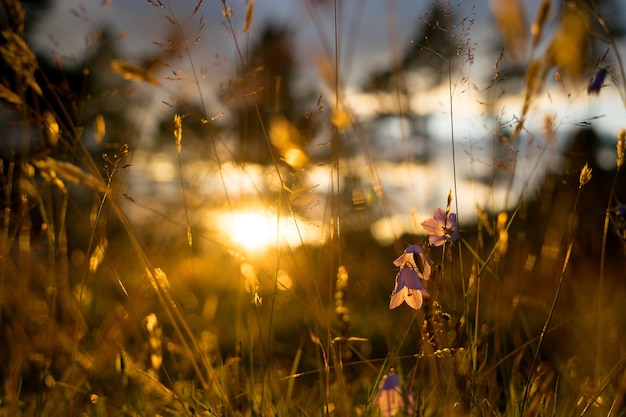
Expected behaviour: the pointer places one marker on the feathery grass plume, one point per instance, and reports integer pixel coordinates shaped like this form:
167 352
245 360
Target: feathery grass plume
161 279
535 76
178 132
227 11
155 335
567 51
509 15
70 172
132 72
53 132
251 282
503 234
97 256
570 44
9 96
16 11
341 308
284 135
112 166
249 16
21 59
536 28
548 128
585 175
100 128
178 136
341 118
621 137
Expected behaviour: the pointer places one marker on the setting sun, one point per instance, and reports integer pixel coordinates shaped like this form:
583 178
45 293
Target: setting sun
253 230
257 230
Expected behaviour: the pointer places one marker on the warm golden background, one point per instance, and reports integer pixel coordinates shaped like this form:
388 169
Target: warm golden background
202 201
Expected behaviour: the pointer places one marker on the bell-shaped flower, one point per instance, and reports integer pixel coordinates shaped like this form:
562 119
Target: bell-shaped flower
441 228
414 257
392 398
409 289
414 267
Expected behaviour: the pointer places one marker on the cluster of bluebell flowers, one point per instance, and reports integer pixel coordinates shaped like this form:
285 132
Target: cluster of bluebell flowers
415 266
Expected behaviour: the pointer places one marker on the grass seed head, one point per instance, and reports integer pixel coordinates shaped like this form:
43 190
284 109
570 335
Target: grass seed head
21 59
249 16
100 128
568 49
53 132
585 175
178 132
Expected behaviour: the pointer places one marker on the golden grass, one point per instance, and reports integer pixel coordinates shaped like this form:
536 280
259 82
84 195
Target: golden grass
105 312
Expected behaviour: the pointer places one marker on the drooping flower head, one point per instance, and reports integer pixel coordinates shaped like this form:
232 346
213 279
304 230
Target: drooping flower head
414 257
392 398
441 228
408 288
414 266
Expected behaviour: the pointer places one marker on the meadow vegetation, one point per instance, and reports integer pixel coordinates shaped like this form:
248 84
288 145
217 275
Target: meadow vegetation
136 277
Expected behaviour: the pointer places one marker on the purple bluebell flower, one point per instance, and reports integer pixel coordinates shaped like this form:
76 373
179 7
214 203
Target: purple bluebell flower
414 257
414 267
442 228
408 288
595 84
392 398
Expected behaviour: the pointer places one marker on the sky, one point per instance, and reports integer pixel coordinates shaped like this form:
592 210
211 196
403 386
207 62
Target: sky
370 31
371 35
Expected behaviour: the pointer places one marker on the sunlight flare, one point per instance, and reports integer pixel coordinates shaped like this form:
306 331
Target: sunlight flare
257 231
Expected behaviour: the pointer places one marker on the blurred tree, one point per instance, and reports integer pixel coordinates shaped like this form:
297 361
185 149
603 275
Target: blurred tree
263 87
72 112
432 45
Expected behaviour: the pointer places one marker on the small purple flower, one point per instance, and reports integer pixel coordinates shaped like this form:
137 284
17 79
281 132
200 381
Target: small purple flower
413 269
392 398
441 228
420 264
408 288
596 82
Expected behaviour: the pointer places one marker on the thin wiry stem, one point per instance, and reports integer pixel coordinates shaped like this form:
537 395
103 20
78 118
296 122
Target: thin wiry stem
611 41
546 325
605 232
187 50
544 330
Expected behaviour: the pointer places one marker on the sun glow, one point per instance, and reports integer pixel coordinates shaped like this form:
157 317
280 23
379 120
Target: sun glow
258 230
252 230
